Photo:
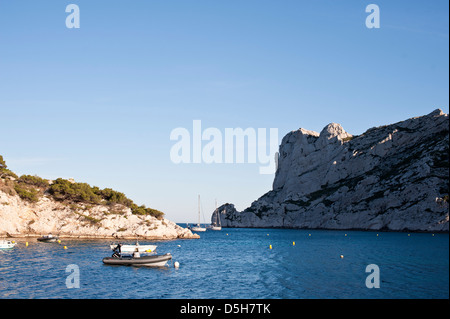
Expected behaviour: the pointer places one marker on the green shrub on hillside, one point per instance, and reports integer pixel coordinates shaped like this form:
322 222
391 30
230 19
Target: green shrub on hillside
65 190
33 180
114 197
28 194
4 171
2 162
62 189
142 210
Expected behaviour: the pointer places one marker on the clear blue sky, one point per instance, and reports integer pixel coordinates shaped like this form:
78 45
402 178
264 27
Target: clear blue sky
98 103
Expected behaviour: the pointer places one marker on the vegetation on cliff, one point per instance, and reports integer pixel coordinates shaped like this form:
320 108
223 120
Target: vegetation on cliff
32 188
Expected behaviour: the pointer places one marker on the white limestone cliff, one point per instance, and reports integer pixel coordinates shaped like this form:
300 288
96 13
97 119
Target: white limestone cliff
19 218
393 177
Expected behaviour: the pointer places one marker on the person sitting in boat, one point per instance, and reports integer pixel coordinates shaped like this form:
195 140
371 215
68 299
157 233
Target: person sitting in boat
136 253
117 251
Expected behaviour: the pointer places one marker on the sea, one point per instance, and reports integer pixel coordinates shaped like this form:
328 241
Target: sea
238 263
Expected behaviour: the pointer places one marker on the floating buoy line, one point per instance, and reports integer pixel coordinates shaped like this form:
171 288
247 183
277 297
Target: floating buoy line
176 264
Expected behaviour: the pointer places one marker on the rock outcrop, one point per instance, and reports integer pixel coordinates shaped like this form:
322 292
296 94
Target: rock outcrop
21 218
393 177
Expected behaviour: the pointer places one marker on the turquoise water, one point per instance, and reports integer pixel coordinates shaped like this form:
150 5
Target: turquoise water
238 263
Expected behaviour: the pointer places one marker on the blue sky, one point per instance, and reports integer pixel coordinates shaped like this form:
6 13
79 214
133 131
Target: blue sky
98 103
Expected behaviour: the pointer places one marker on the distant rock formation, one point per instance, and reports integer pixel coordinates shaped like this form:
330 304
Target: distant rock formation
393 177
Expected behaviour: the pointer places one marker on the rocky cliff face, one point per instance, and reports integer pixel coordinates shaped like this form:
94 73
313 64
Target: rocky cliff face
394 177
20 218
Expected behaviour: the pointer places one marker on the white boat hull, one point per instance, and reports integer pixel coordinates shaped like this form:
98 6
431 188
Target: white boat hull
215 220
132 248
7 245
198 229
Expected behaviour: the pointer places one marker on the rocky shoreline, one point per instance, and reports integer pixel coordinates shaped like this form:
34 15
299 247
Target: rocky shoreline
19 218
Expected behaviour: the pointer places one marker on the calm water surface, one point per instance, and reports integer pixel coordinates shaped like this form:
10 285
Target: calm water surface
238 263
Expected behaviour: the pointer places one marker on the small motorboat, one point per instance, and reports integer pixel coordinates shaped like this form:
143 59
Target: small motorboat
153 260
48 238
7 244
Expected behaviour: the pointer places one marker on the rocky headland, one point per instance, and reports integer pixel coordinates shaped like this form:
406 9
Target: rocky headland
31 206
394 177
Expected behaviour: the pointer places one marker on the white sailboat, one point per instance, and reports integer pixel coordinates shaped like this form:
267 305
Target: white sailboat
198 228
215 225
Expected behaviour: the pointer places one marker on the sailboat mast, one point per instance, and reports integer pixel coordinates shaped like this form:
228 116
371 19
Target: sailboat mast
215 214
198 210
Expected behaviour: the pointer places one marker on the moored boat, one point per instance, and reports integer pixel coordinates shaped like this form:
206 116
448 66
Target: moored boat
48 238
215 225
7 244
153 260
198 227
